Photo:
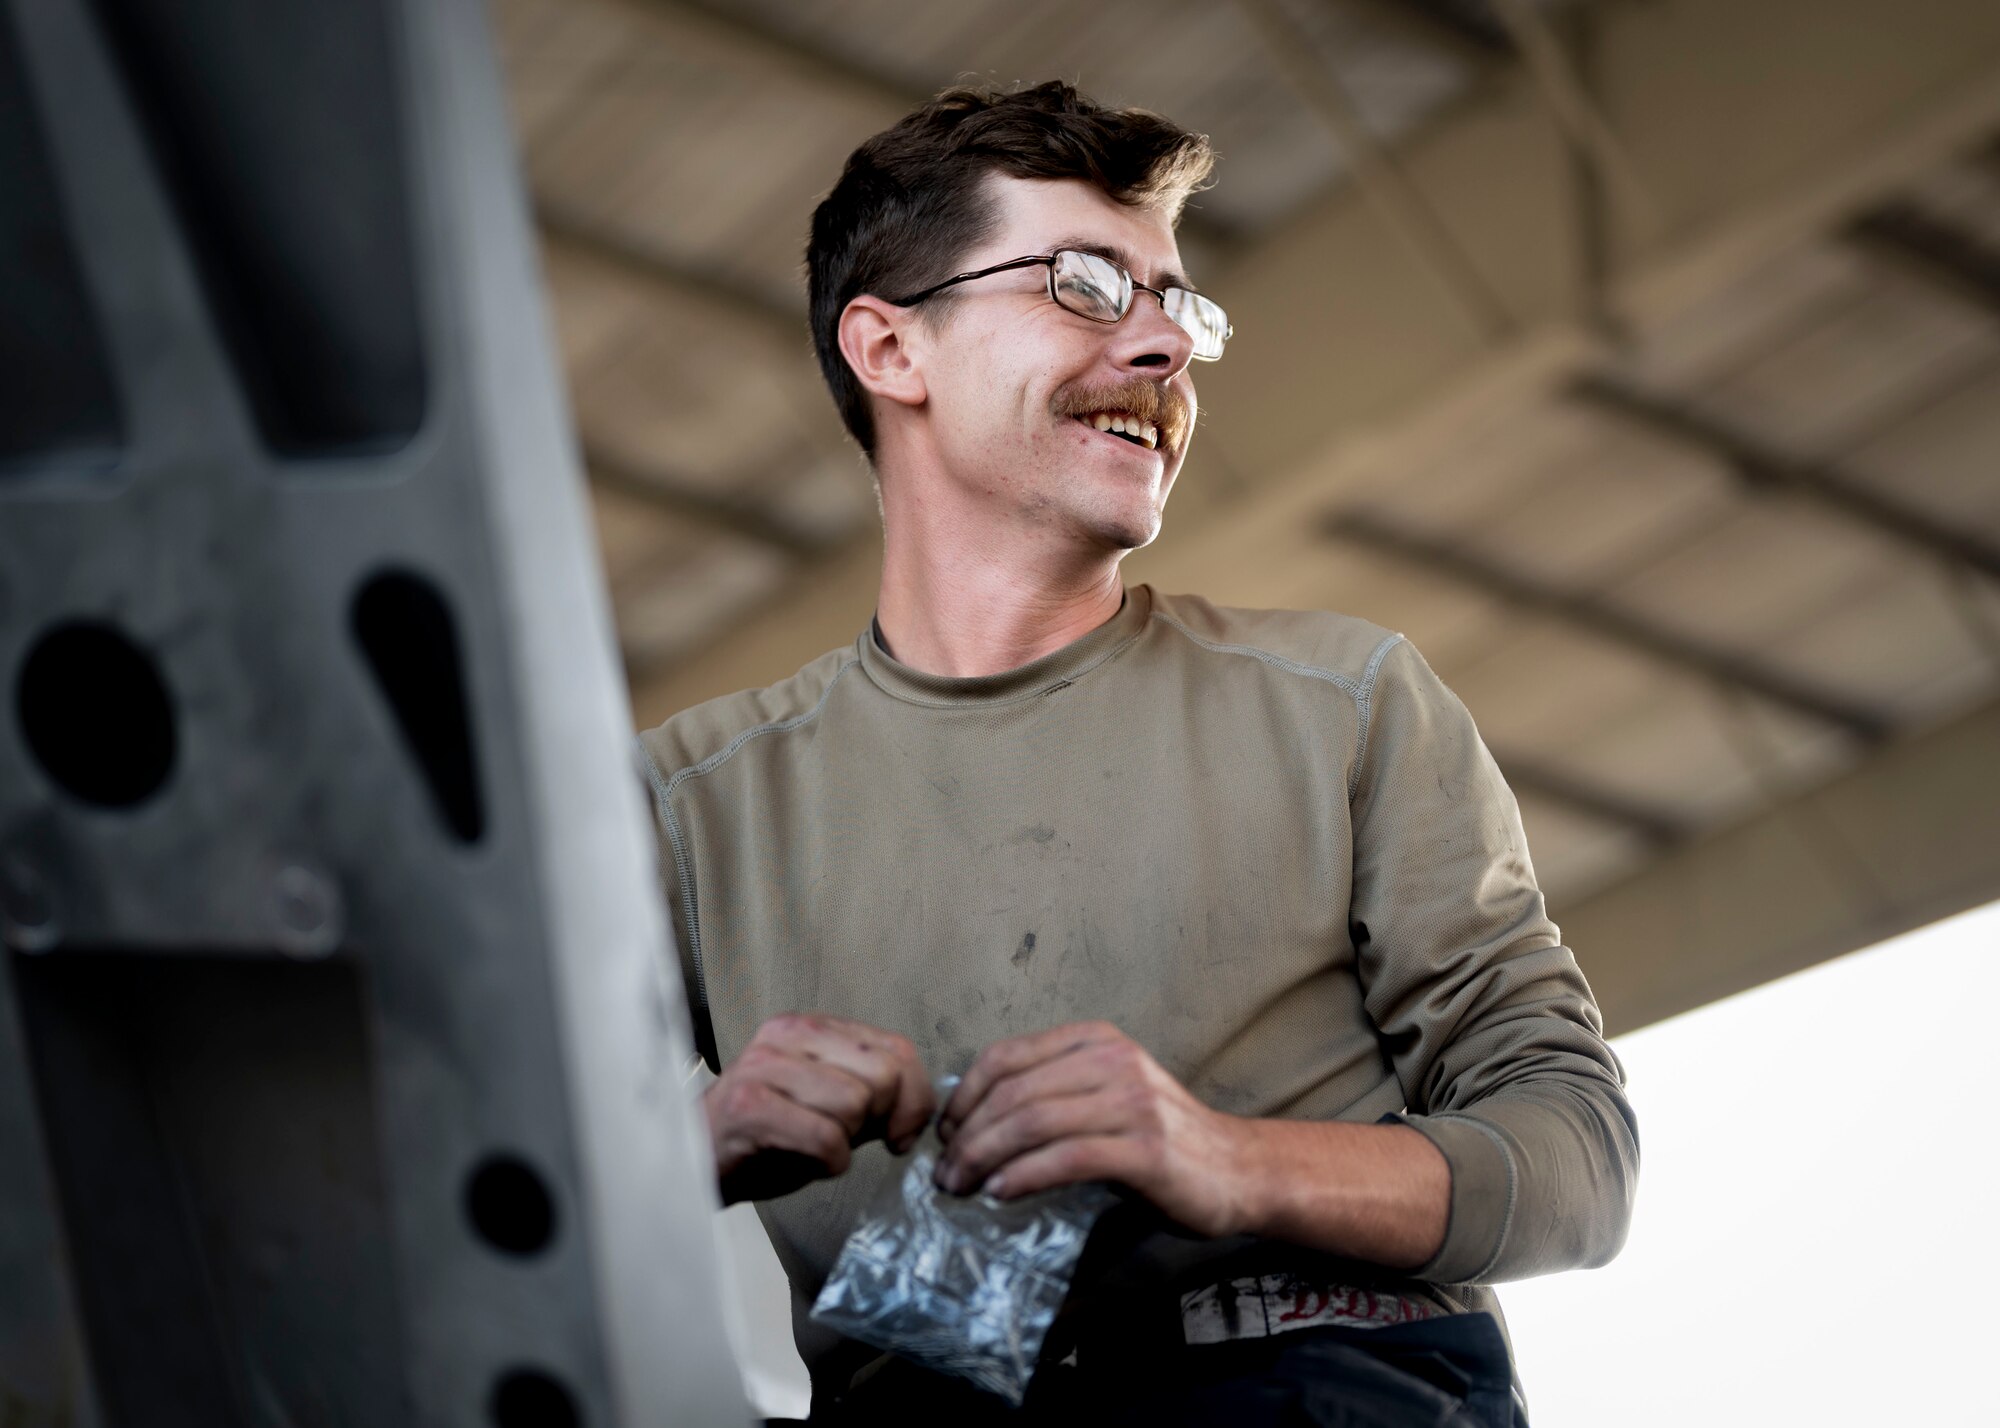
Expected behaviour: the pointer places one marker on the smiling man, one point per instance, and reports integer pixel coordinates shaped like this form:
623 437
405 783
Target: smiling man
1230 908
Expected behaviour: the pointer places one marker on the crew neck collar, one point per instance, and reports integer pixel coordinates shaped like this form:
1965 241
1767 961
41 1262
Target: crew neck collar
1059 667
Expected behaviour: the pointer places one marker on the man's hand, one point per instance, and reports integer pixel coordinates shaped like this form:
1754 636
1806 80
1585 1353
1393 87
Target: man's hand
1086 1102
806 1090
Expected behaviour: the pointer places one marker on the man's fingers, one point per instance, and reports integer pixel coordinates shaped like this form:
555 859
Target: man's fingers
984 1146
900 1098
1004 1059
753 1117
899 1094
915 1103
1077 1071
817 1085
1068 1162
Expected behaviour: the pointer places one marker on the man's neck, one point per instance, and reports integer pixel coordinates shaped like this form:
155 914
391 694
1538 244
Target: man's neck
962 602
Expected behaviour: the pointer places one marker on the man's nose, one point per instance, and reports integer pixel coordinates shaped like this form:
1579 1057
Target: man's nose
1149 341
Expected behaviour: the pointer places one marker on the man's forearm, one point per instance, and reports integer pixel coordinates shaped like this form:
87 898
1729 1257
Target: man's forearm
1380 1193
1086 1102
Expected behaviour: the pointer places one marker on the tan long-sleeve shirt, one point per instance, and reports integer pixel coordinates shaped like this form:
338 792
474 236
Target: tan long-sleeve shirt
1268 845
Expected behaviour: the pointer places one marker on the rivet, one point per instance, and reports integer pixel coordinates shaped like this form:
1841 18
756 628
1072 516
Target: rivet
307 913
28 920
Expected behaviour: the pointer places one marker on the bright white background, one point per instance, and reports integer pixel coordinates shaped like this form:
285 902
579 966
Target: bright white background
1817 1237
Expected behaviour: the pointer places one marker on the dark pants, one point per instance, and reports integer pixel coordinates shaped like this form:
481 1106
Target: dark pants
1449 1372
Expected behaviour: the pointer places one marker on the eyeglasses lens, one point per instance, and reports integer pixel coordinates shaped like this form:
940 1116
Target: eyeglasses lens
1100 290
1090 286
1204 320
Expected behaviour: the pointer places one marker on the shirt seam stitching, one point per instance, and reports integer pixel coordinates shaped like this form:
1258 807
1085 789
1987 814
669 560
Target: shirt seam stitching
1057 682
1507 1209
1290 666
1364 700
1359 692
662 795
663 791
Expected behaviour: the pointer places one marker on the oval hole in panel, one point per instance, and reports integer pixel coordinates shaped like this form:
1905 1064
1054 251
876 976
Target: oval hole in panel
530 1398
406 631
510 1206
96 714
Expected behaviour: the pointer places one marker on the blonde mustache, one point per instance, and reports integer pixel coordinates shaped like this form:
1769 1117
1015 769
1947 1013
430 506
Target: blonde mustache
1164 407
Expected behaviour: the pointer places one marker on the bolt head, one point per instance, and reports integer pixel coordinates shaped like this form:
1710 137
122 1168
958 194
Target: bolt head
308 915
28 920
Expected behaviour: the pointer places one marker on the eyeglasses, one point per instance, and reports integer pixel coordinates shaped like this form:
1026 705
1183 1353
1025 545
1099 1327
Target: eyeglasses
1099 289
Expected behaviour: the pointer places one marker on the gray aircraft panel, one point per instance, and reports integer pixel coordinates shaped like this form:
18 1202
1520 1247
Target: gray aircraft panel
341 1034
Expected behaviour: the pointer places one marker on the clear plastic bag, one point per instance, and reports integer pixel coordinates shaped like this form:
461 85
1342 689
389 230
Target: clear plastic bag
965 1285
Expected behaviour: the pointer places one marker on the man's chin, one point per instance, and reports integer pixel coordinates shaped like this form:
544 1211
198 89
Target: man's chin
1116 516
1125 532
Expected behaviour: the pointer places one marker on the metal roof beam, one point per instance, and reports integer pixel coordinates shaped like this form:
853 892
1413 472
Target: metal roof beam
1764 471
1465 29
682 499
761 309
1720 666
1383 179
824 600
801 58
1751 902
896 95
1580 795
1905 237
1437 27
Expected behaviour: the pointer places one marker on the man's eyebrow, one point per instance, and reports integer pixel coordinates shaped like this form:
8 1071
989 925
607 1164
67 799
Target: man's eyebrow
1165 278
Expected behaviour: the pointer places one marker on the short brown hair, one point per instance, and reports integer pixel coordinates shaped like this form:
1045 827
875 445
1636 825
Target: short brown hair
912 200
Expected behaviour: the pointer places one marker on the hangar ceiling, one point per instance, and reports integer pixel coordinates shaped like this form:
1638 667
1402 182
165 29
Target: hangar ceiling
1640 359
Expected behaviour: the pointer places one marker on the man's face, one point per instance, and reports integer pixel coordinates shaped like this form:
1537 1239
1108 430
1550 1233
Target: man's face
1014 381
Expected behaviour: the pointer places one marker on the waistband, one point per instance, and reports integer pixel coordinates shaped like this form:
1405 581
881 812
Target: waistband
1260 1306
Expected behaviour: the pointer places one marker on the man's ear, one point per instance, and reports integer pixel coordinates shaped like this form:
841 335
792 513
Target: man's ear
873 340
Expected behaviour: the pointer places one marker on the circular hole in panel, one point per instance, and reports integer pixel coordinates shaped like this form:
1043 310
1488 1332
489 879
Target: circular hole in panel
96 715
530 1398
510 1205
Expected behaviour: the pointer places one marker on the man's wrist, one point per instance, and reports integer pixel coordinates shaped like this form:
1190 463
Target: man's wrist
1377 1193
1253 1186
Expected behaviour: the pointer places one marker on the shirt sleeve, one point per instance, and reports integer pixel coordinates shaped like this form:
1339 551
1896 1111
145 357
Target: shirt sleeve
1484 1014
681 924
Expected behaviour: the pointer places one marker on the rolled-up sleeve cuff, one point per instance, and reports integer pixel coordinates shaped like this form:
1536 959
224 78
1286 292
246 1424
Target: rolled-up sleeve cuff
1482 1196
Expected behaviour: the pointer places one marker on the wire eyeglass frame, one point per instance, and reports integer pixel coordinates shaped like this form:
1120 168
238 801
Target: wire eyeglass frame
1204 319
